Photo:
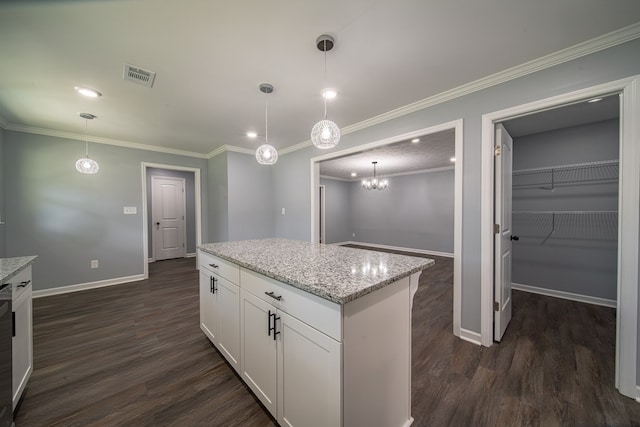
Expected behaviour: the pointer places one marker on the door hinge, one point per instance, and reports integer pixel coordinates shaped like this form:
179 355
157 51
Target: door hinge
497 150
496 228
496 306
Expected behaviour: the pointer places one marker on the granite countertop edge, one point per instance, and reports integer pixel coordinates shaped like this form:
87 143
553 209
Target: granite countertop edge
10 267
313 289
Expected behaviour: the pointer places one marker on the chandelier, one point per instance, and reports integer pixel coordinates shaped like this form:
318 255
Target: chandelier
85 164
374 183
325 134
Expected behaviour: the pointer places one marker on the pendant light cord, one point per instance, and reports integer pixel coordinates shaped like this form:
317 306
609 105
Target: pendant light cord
266 120
324 91
86 138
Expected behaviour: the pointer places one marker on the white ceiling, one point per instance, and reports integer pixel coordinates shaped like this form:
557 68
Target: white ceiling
430 152
210 57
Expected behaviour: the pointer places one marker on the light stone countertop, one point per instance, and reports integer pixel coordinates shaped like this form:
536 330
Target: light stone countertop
331 272
9 267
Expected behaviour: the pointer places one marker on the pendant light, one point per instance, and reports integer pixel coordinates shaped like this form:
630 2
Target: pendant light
375 183
85 164
266 154
325 133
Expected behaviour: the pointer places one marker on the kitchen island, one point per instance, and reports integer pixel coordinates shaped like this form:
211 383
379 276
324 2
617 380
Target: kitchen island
320 333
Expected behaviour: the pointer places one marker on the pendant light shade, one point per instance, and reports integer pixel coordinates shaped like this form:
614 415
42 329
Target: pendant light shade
85 164
266 154
325 134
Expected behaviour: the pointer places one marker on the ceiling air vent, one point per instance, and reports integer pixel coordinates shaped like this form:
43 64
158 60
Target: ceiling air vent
138 75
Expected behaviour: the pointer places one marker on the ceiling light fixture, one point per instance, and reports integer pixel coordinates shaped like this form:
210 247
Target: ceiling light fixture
266 154
353 174
415 140
452 159
85 164
594 100
88 92
374 183
325 133
329 93
252 135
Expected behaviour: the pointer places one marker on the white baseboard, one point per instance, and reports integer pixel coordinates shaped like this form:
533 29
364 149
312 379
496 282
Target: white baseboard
85 286
472 337
192 255
638 393
565 295
150 260
398 248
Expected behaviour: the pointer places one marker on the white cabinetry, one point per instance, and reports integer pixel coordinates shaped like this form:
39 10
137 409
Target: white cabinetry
22 342
220 306
310 361
293 368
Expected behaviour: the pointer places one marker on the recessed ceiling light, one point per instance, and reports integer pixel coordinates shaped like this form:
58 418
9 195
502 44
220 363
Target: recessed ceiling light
353 174
252 134
329 93
595 100
414 140
452 159
88 92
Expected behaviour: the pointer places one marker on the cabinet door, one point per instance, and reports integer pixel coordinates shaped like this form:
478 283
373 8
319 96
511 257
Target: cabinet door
258 349
228 320
309 391
207 305
22 350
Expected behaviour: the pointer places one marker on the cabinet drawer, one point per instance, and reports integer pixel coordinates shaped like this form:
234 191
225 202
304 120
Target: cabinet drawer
226 269
20 282
316 312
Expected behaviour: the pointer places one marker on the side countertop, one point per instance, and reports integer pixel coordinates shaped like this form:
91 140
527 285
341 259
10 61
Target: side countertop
9 267
331 272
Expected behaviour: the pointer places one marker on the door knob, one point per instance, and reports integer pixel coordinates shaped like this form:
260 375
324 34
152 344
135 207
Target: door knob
516 238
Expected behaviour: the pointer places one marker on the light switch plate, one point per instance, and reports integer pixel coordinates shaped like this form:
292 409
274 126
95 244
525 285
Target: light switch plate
130 210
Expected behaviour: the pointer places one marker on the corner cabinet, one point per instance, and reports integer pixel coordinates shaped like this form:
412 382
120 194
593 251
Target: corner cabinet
310 361
22 341
220 306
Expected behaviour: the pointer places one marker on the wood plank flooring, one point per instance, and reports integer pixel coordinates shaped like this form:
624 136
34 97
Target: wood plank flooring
133 354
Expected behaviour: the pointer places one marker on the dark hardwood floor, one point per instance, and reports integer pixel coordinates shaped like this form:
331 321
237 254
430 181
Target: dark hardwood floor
133 354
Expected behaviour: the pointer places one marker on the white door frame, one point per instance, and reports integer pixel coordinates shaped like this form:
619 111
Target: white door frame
629 217
457 126
322 235
145 222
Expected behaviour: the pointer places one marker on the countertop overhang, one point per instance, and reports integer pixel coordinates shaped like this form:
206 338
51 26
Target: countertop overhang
332 272
9 267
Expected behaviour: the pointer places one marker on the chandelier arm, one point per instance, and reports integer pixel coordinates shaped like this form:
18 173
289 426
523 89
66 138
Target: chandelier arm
324 95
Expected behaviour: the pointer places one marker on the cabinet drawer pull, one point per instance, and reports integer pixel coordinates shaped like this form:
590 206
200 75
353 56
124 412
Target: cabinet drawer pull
24 284
213 265
269 324
272 328
271 294
212 284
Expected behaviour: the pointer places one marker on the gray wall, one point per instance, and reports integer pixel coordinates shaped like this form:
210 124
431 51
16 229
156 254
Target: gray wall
190 201
2 210
251 207
581 255
292 175
218 206
337 210
67 218
416 212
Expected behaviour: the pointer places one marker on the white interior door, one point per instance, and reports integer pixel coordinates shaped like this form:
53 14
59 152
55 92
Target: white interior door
503 232
168 211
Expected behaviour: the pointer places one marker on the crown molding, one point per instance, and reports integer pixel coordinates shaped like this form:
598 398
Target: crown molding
232 148
101 140
588 47
384 175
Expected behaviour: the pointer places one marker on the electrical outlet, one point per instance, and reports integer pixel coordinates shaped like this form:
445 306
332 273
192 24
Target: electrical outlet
94 263
283 211
353 235
130 210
